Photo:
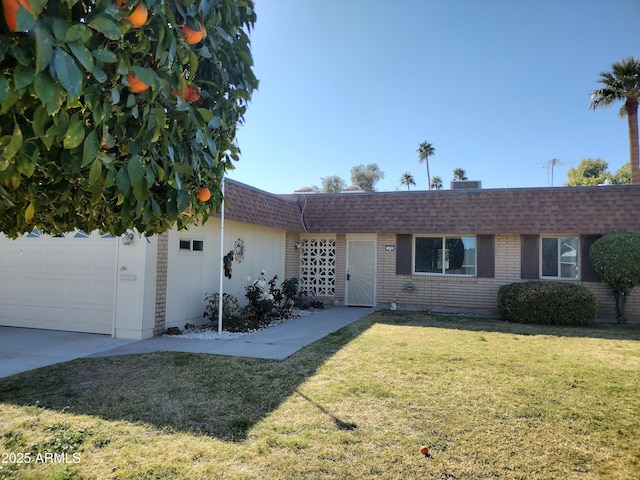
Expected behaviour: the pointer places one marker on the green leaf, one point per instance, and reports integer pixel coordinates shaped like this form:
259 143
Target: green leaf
145 75
26 165
90 148
193 63
44 47
95 172
106 27
99 74
25 19
104 55
172 210
184 200
182 168
206 115
41 121
23 76
135 169
75 33
49 93
14 144
68 73
37 6
122 181
222 32
74 134
83 55
5 90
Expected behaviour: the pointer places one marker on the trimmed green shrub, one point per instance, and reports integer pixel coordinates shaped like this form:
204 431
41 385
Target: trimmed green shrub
616 258
547 303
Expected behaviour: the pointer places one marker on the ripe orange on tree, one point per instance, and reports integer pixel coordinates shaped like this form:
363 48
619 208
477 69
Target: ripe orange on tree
191 94
204 194
136 85
138 16
10 8
193 36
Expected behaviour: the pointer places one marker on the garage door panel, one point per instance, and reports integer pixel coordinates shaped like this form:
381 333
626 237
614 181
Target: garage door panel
31 286
58 283
9 288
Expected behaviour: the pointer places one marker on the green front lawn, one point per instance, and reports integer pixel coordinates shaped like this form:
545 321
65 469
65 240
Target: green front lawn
491 399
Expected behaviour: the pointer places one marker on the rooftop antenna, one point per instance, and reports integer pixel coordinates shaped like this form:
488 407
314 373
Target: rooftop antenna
550 165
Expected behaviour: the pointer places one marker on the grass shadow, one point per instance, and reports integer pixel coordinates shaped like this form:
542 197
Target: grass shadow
609 331
223 397
203 394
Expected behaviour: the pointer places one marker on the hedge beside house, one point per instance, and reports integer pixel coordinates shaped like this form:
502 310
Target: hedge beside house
547 302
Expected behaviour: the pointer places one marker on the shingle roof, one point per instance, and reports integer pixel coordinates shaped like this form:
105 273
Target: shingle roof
257 207
582 210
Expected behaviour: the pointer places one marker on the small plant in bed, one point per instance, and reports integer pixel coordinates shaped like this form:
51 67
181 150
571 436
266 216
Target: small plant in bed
268 303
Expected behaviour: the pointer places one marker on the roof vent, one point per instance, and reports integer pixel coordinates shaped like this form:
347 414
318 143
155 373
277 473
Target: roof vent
466 184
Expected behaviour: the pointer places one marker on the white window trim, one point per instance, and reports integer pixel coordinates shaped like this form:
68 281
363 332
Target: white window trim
442 274
578 257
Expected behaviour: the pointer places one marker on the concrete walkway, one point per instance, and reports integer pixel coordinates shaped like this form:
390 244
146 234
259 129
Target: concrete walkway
24 349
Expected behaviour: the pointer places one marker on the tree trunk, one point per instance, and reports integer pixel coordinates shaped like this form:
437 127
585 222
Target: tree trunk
426 160
621 301
631 106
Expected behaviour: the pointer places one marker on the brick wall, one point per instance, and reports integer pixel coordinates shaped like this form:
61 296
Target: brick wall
292 256
473 292
341 267
161 283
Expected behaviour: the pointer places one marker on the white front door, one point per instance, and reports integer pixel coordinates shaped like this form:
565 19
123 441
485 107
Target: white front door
361 272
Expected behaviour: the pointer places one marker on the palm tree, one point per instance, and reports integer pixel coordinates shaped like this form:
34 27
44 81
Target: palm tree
425 150
623 83
459 174
408 180
436 183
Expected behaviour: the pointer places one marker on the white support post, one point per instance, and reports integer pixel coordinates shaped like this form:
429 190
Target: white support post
221 293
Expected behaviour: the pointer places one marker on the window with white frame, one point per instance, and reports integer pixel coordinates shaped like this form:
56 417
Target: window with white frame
190 245
559 257
444 255
318 266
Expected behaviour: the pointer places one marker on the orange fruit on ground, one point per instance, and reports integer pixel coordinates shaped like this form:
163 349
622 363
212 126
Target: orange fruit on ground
139 16
135 84
204 194
10 8
424 450
192 36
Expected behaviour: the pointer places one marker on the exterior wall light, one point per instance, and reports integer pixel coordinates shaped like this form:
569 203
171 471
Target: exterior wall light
127 238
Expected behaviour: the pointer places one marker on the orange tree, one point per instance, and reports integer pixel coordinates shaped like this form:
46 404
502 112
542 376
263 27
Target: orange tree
85 144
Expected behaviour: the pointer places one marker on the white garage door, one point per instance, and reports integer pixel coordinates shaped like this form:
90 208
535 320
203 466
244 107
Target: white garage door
59 283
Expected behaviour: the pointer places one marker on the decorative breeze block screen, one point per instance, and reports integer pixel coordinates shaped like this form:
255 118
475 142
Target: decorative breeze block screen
318 266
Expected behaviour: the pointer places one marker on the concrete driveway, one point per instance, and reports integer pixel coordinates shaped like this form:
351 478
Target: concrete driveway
23 349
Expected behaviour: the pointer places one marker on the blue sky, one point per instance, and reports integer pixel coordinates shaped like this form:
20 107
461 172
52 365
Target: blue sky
499 88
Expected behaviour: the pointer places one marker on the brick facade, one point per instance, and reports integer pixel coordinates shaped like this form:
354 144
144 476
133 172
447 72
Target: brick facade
161 283
292 255
472 292
504 216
